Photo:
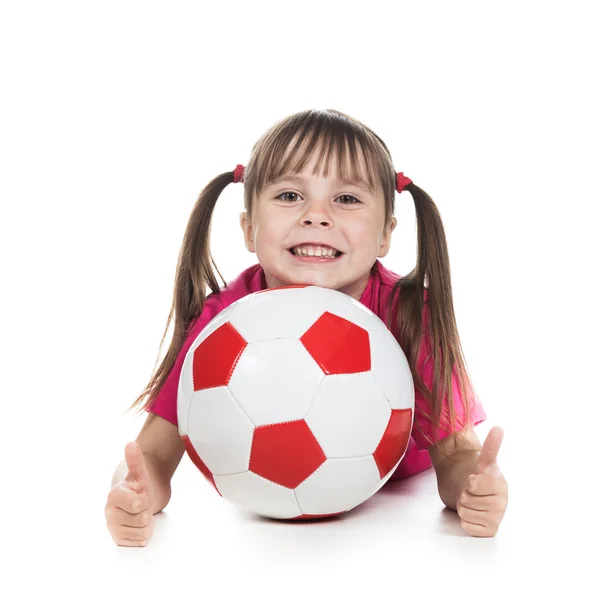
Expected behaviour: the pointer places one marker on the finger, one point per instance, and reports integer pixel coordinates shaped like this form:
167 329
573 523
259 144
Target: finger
488 519
469 500
133 533
489 451
137 474
476 530
117 515
485 485
128 500
475 517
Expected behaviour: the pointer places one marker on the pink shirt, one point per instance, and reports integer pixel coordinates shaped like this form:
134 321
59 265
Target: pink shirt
375 298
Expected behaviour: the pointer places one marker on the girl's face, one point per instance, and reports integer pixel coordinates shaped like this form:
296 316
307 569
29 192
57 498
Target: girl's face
304 209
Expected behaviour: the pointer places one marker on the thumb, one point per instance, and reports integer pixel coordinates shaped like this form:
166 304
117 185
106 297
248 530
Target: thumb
486 462
137 474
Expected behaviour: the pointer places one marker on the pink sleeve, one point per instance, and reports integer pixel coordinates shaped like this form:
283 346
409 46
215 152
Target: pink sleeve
476 411
165 403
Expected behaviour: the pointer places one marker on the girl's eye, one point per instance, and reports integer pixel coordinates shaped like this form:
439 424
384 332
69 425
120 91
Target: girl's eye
357 201
348 196
286 194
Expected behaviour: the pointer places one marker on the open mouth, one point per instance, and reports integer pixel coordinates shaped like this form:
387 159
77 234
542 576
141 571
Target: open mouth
315 253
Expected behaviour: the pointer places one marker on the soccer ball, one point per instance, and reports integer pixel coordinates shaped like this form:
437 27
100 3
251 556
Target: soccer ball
296 402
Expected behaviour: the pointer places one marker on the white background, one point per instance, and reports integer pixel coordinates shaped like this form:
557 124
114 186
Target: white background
114 115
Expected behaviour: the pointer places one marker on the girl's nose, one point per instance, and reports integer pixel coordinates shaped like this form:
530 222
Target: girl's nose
323 222
316 213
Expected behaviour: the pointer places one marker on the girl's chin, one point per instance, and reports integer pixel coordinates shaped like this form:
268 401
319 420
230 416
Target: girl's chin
306 276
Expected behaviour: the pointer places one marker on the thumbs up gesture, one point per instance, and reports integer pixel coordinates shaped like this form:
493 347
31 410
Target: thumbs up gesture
128 509
482 504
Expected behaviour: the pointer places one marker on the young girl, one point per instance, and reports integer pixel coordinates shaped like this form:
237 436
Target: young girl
319 196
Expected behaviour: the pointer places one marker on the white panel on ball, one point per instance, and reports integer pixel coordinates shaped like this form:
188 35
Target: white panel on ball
255 493
220 431
262 376
338 484
346 404
185 392
266 317
391 369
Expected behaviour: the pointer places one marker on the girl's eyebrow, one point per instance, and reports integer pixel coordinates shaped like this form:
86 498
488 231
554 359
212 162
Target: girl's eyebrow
299 179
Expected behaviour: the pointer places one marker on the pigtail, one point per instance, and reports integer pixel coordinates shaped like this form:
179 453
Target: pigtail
429 283
195 272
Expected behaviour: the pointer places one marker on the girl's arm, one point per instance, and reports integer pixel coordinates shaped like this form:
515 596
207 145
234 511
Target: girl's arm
162 449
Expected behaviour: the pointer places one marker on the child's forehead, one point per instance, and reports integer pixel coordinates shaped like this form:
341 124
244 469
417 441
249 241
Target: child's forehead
326 160
314 165
306 176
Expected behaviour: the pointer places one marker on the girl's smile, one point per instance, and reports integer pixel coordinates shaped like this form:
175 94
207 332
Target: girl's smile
315 252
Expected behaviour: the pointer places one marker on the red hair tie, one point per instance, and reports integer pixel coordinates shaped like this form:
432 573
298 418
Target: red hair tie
238 174
401 182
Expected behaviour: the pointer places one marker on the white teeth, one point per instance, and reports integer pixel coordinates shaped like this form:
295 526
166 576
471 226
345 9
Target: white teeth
314 251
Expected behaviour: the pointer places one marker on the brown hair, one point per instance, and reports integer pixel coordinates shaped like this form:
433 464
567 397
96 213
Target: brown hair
285 148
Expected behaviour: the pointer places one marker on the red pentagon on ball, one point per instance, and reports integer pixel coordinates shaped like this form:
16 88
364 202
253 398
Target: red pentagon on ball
285 453
337 345
198 461
394 440
216 357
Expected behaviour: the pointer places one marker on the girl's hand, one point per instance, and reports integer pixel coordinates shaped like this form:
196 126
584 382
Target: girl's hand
128 509
482 504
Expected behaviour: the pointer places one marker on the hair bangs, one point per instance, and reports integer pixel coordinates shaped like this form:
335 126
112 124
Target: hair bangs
344 151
